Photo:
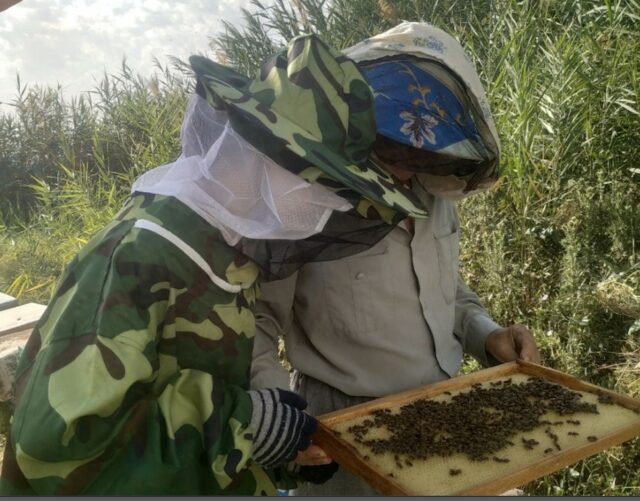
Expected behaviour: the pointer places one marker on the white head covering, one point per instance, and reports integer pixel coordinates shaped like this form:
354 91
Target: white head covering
234 187
423 40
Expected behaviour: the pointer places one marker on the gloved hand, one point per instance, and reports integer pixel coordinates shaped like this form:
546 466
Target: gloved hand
281 428
318 474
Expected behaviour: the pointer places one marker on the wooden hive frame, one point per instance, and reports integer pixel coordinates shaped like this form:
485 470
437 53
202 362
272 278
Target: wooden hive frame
349 459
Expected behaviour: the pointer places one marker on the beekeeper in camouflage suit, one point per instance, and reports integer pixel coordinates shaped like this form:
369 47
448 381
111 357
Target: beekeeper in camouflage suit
136 379
396 316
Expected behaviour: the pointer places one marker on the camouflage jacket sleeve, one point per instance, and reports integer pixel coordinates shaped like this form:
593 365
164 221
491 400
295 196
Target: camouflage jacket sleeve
134 381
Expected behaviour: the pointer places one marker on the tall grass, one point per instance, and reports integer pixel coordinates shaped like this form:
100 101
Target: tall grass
553 245
66 166
559 234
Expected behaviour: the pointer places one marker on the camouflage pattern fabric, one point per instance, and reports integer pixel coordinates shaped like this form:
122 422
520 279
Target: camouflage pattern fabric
311 110
134 381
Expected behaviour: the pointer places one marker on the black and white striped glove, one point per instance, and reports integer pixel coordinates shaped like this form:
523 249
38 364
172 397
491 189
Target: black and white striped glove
281 428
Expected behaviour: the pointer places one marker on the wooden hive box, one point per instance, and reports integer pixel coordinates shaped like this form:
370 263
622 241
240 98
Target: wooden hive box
16 324
577 435
20 318
7 301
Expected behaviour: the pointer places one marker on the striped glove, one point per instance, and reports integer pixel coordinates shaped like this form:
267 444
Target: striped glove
281 428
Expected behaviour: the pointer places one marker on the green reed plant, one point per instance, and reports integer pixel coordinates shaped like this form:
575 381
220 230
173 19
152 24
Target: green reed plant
66 166
562 78
69 214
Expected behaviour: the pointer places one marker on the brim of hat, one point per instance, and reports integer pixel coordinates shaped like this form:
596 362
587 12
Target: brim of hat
369 180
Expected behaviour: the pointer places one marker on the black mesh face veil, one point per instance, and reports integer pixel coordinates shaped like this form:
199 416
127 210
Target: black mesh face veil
257 199
281 164
345 234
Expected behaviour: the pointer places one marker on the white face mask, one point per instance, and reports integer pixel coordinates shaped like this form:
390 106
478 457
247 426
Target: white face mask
447 187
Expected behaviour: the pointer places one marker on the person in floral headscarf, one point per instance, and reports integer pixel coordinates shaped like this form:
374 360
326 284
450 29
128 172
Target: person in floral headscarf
396 316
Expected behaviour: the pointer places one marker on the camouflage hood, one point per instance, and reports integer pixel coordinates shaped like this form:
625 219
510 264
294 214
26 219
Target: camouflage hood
310 109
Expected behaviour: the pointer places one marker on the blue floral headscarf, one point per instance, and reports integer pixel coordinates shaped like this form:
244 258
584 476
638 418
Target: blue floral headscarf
428 96
420 108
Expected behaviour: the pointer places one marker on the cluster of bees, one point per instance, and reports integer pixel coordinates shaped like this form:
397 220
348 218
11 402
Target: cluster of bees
477 423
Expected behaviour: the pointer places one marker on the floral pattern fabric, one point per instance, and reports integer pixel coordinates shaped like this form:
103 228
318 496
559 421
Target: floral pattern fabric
419 104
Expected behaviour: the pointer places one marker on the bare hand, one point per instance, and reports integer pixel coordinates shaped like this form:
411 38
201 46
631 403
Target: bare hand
312 456
511 343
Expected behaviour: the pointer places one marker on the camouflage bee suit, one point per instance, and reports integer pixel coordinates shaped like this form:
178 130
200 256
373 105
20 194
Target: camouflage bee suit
134 381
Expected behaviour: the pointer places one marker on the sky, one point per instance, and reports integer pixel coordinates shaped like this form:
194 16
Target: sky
72 42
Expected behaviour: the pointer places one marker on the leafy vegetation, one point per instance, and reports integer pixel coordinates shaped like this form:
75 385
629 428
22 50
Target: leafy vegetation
66 166
553 245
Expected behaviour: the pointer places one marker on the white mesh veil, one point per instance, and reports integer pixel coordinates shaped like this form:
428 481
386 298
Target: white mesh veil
236 188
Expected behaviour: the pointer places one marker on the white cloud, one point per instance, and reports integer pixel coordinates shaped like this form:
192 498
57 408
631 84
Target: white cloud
72 42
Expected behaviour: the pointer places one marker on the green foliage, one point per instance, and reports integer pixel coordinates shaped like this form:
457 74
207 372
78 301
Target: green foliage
553 245
126 125
68 214
65 168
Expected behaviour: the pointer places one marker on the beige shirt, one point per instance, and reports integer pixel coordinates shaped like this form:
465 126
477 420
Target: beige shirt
394 317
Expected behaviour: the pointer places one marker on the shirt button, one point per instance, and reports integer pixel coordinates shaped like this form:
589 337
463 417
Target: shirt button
359 275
